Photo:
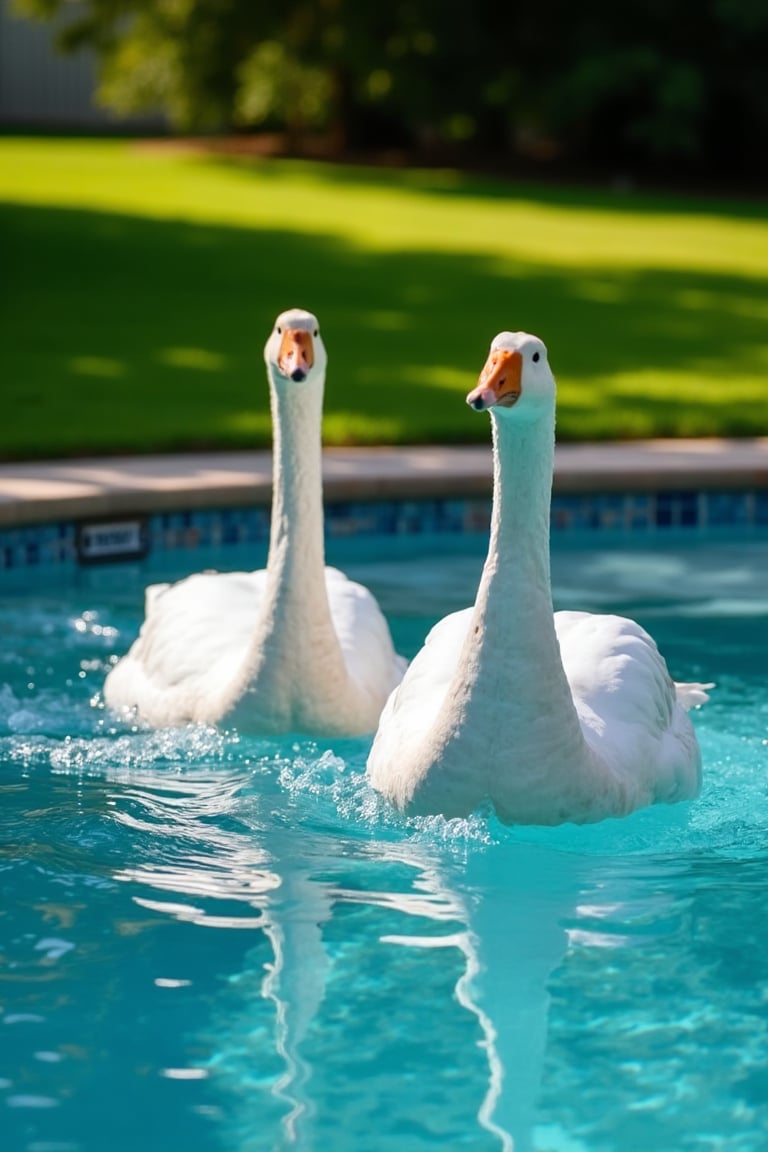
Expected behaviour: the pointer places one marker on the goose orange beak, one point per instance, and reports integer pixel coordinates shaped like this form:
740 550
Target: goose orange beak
297 354
500 381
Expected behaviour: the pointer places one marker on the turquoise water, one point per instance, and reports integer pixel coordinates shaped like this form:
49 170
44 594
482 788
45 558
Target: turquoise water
210 942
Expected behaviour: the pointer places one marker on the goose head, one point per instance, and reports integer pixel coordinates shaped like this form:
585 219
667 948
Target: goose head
295 353
516 380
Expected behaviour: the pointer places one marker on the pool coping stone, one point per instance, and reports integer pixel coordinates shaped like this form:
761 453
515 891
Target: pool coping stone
36 492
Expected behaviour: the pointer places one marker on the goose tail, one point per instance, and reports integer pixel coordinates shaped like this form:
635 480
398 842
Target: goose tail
692 695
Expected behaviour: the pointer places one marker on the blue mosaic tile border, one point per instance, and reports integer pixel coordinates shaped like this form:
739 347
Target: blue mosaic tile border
37 545
56 545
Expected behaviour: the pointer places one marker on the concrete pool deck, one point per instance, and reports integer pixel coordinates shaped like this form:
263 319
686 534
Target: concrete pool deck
42 492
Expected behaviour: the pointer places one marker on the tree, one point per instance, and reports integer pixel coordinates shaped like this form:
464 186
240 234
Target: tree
641 85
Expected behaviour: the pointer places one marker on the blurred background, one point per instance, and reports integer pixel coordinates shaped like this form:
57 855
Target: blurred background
676 90
420 174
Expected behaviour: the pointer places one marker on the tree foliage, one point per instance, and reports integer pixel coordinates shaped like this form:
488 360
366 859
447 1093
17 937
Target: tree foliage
642 84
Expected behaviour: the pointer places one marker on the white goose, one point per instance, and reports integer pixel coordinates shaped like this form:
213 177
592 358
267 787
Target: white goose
295 647
552 717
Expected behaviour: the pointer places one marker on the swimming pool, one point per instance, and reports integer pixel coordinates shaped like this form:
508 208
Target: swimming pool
217 942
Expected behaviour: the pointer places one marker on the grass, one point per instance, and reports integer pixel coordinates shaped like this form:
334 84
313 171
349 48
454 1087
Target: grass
139 284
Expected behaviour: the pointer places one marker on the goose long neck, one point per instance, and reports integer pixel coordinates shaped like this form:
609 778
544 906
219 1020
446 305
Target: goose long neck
296 545
294 668
516 577
510 680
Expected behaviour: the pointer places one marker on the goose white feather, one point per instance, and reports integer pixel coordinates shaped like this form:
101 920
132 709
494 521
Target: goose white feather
293 647
553 717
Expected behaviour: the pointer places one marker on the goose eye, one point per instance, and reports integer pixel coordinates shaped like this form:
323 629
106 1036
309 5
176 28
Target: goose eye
279 330
315 332
535 357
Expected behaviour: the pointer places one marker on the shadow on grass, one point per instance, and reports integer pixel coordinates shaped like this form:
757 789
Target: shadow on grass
125 334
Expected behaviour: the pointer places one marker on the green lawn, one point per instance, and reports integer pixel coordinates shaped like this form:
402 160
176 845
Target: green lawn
138 285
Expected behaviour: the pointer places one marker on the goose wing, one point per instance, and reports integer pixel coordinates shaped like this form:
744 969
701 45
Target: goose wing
190 648
364 636
628 705
412 708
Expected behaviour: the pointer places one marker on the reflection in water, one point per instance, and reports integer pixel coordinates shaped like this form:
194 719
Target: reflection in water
224 856
393 977
217 871
446 903
296 984
388 984
259 866
514 940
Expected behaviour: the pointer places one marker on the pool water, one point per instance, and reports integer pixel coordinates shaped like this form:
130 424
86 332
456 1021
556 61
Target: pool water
211 942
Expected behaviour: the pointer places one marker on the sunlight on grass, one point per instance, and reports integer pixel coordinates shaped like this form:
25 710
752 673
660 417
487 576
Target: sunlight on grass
703 384
253 424
412 213
169 267
735 304
339 427
198 359
440 377
574 396
99 366
355 428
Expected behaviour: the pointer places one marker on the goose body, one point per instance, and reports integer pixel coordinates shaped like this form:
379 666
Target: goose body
294 647
553 717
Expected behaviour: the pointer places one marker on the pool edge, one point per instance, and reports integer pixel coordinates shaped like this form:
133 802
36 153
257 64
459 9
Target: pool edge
37 492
